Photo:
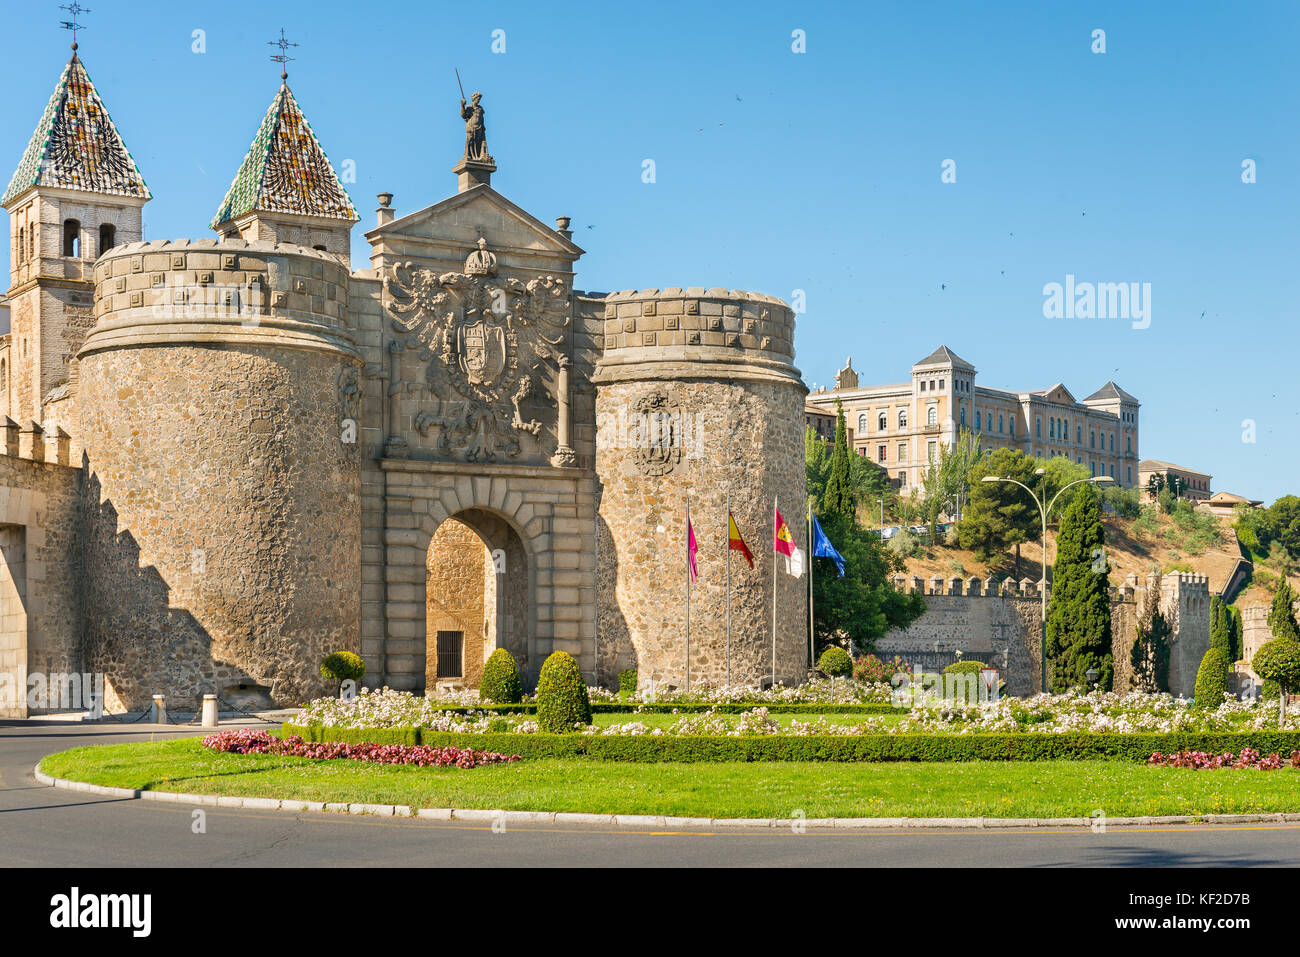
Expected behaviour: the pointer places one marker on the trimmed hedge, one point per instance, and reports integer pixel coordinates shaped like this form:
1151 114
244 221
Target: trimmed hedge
835 662
1211 679
869 747
627 681
562 699
500 682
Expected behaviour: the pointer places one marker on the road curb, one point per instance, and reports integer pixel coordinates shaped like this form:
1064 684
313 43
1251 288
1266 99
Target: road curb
496 818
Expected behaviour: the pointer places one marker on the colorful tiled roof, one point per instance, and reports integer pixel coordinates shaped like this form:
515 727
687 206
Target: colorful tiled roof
286 171
76 145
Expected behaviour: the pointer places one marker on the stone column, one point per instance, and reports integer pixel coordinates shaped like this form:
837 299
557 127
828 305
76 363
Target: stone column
564 457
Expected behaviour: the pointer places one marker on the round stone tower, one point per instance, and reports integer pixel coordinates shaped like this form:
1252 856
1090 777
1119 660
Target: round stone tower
219 402
698 402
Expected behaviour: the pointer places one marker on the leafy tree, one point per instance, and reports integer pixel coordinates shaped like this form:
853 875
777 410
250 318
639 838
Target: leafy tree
1078 620
1150 653
1281 524
839 497
1058 472
817 466
999 514
948 479
1281 614
863 605
1278 661
1125 501
835 662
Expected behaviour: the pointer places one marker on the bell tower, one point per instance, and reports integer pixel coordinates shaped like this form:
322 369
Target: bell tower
77 193
286 190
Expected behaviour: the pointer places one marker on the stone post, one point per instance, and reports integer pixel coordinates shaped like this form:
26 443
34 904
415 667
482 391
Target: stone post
31 442
160 709
209 718
10 428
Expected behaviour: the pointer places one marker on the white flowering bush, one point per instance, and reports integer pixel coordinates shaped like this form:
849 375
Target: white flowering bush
1072 712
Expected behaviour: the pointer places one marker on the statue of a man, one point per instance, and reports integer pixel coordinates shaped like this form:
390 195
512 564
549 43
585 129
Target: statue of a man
475 130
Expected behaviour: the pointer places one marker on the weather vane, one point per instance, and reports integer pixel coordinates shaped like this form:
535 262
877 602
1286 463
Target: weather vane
74 10
282 57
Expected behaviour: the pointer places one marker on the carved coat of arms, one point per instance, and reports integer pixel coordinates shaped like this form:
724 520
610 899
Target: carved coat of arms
485 338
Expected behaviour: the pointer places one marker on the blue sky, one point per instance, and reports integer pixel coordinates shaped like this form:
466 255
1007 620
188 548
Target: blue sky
818 171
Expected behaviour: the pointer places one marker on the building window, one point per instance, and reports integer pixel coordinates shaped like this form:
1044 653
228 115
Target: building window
1128 473
450 646
1011 425
963 415
880 453
941 382
979 421
902 418
22 243
1092 439
1051 428
902 451
1078 435
107 237
999 423
862 424
1038 426
932 450
1112 441
1128 444
932 415
31 242
72 239
882 422
862 450
922 385
1112 469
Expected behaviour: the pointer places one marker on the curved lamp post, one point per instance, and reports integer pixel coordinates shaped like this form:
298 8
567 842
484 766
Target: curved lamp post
1044 510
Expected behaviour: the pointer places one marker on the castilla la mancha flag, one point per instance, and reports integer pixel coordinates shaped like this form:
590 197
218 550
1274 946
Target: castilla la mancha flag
691 548
735 542
784 541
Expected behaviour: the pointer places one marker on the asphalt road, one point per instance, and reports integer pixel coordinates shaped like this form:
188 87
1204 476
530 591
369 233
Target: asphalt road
43 826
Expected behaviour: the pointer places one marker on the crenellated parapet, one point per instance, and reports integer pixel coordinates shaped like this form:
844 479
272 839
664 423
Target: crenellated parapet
711 329
220 291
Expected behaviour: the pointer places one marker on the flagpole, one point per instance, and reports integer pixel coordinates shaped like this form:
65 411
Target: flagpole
728 586
812 649
774 530
688 593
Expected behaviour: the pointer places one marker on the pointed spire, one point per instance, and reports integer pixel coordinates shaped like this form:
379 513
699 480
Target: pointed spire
286 171
76 146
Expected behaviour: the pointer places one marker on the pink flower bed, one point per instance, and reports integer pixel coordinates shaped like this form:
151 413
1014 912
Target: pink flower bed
250 741
1200 761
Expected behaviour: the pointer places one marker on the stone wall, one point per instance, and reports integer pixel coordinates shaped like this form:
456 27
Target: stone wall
41 573
223 495
697 401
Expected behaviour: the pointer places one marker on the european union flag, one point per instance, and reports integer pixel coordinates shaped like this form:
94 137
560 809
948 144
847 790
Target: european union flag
822 547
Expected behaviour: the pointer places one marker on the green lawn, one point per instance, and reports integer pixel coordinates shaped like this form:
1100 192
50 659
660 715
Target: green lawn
966 789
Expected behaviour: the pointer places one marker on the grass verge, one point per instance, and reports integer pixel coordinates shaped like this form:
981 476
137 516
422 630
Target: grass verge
717 790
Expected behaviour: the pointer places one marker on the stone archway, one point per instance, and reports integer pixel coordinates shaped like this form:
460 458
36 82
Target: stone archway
476 598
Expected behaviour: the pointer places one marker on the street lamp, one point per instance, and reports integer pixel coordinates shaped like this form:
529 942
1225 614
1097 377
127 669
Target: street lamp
1044 511
1092 676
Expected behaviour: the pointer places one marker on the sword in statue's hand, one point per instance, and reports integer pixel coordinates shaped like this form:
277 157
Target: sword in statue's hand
459 84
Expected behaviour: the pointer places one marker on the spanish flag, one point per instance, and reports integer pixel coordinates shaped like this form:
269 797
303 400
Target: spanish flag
784 541
735 542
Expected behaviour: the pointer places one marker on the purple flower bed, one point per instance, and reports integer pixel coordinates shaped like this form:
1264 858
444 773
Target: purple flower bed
250 741
1200 761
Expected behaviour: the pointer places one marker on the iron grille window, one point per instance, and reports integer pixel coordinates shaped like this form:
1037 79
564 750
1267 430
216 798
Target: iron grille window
450 647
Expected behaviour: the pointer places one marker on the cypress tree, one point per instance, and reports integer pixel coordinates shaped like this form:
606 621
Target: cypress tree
1078 621
1281 614
1238 648
1220 627
839 497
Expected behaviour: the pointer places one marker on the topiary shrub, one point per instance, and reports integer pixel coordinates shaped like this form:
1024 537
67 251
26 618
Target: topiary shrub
1278 661
627 681
343 666
500 683
835 662
965 667
562 695
1211 679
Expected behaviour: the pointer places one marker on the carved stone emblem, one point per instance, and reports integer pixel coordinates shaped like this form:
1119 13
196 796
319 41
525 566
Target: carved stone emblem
485 340
655 434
